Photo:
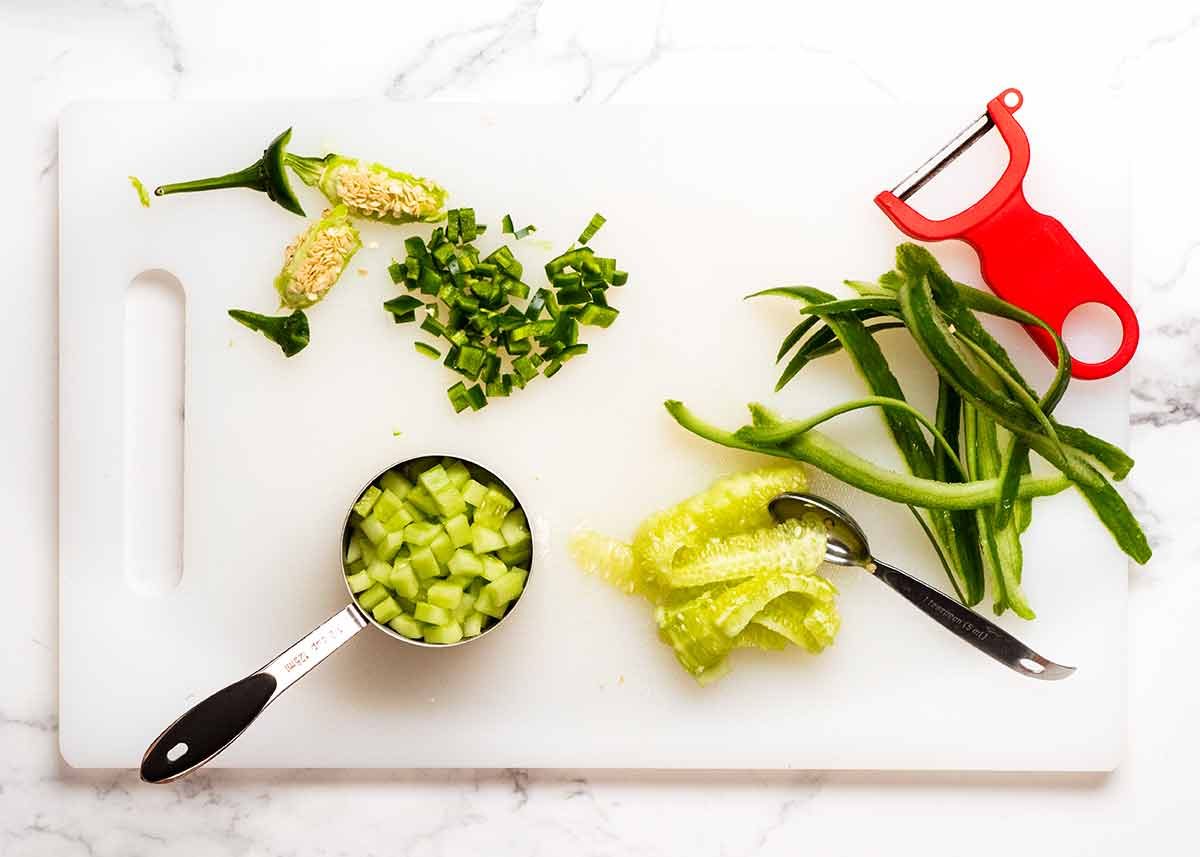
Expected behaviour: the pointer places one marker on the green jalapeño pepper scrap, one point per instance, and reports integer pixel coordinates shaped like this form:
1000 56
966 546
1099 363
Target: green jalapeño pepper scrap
368 190
266 175
316 259
372 191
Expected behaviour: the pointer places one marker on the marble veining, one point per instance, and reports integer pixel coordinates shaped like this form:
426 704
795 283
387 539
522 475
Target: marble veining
563 50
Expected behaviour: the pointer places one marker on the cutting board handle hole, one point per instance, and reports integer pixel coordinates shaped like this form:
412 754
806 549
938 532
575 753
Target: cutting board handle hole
153 396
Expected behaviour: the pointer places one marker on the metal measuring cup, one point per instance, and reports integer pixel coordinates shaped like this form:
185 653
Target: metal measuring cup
213 724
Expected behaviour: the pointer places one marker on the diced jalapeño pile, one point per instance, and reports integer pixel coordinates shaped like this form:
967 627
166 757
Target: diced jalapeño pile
438 551
472 302
722 574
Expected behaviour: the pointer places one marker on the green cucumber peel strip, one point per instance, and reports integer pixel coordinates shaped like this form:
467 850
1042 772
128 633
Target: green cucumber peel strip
872 365
826 454
786 431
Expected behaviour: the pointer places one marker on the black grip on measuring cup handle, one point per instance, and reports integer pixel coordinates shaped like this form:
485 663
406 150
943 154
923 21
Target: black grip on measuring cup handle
207 728
968 625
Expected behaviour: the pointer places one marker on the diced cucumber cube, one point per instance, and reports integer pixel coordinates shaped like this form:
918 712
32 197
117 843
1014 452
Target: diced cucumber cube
451 632
493 569
423 500
367 600
368 552
403 579
421 533
386 610
492 510
442 548
474 492
387 549
465 562
359 582
397 484
430 613
373 529
514 529
380 572
434 479
354 551
518 555
387 505
457 472
485 605
444 594
399 519
462 581
459 529
485 540
477 585
473 625
367 501
413 512
406 626
424 563
355 567
450 502
502 489
466 606
506 588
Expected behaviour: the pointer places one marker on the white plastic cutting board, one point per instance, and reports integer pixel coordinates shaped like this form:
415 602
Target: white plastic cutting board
704 206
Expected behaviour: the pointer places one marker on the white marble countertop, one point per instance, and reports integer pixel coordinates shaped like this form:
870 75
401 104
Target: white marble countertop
562 51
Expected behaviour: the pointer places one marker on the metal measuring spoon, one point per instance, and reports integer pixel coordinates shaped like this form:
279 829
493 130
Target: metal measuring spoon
213 724
847 545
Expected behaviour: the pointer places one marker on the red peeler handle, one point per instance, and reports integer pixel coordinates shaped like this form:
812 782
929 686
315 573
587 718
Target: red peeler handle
1028 258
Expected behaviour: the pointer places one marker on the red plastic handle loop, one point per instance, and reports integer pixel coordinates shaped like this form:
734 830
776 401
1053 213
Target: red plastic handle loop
1026 257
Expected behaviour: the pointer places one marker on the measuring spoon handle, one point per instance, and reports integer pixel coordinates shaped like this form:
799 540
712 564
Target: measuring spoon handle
215 723
964 622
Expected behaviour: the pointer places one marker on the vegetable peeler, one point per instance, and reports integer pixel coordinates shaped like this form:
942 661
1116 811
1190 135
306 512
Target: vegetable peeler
1026 257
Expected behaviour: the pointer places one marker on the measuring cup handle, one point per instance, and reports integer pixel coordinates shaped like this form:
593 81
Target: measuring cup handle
215 723
968 625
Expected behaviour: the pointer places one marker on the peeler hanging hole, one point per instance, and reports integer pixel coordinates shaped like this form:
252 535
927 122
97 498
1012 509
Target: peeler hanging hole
1011 98
1092 332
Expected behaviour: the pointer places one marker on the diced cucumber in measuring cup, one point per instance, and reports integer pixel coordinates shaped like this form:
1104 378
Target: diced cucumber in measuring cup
367 600
431 613
424 563
465 562
442 548
387 505
421 533
380 572
397 484
472 626
459 530
387 549
518 555
386 610
403 579
421 498
485 540
444 594
492 510
450 632
373 529
367 501
493 568
437 552
406 626
457 472
514 529
474 492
